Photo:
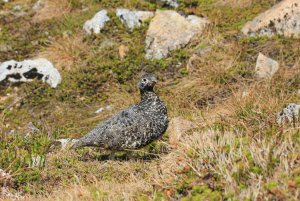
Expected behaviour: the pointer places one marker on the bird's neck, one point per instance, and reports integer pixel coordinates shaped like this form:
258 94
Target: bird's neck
148 95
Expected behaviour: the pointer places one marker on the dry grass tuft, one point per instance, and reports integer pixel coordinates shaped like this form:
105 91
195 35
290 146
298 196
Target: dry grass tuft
66 52
48 9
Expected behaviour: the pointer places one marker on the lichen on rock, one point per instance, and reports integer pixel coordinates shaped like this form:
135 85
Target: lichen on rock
28 70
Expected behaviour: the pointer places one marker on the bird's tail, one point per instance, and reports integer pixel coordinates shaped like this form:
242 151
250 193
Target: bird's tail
78 143
67 143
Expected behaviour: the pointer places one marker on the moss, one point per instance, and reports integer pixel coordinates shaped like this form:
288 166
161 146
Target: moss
203 193
297 181
271 185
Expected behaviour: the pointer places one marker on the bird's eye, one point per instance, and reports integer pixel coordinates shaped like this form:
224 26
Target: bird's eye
144 80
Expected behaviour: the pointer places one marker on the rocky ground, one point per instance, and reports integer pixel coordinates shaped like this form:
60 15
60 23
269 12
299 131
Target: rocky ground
228 72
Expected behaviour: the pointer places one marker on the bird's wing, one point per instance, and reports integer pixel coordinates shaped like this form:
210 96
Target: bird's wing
116 129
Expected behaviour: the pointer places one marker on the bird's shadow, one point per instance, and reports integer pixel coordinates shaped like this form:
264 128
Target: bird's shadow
120 156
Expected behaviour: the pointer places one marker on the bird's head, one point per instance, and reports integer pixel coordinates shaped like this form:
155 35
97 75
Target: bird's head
147 82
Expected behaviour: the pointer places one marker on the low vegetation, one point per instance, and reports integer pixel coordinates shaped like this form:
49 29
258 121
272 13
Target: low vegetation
235 151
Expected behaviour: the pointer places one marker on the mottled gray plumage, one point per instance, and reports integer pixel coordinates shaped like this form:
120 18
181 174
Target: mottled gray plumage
134 127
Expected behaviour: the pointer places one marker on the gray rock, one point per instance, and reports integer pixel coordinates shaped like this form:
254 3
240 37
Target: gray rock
281 19
17 8
289 114
133 19
100 110
265 66
170 3
28 70
169 30
39 5
97 23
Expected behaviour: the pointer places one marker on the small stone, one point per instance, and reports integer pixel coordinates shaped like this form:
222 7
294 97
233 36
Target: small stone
265 66
245 94
177 128
17 8
170 3
97 23
123 50
99 110
133 19
39 5
289 114
102 109
169 30
281 19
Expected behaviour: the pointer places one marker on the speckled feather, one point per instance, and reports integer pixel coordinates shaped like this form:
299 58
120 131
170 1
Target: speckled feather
133 127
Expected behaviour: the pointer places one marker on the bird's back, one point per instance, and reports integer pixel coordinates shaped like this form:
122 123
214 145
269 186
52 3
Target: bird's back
132 128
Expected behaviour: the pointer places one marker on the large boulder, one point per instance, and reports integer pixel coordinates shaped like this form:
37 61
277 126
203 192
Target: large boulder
281 19
265 66
134 18
97 23
169 30
28 70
